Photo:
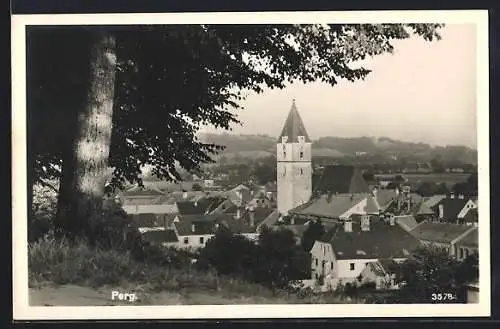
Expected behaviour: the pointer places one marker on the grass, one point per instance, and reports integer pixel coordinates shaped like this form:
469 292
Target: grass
57 267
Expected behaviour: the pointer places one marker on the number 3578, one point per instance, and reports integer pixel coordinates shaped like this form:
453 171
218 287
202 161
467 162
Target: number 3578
442 297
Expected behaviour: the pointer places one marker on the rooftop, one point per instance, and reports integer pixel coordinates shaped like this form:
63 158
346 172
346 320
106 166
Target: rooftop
341 179
381 241
294 127
439 232
335 205
471 239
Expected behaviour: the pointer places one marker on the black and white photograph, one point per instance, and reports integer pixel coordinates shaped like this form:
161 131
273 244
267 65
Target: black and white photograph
214 164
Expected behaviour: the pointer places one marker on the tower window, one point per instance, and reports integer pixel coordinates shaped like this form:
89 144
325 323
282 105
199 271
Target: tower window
301 171
284 154
301 155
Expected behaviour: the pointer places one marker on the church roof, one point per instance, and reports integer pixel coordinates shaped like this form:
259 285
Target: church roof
294 127
341 179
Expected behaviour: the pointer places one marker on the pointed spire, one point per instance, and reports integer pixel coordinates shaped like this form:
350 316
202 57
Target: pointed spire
294 126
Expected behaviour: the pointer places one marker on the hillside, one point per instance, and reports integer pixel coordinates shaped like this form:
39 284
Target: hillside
382 149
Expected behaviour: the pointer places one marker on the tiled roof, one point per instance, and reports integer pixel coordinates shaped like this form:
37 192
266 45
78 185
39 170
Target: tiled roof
271 219
160 236
407 222
471 239
294 127
451 207
433 200
438 232
341 179
381 241
185 227
333 206
147 220
199 207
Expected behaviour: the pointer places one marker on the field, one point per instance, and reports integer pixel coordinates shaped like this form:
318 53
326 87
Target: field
448 178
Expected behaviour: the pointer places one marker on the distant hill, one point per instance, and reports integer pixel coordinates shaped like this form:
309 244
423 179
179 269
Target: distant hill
382 149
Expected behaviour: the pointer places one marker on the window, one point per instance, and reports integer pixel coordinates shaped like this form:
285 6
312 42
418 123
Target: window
301 154
461 253
186 240
331 265
284 154
316 262
466 252
301 171
316 275
351 266
201 240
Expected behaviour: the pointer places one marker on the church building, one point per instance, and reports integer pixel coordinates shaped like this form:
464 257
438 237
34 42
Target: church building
294 167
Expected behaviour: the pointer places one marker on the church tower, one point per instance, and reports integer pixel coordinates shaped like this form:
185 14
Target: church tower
294 168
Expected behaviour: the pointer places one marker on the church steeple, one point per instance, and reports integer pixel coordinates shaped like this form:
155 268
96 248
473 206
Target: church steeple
294 127
293 160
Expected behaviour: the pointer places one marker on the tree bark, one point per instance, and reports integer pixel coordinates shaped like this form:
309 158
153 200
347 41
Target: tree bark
84 166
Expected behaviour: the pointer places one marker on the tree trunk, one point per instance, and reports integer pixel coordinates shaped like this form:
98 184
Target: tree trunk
84 166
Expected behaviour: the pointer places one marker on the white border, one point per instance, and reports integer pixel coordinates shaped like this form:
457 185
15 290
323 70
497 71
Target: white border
21 309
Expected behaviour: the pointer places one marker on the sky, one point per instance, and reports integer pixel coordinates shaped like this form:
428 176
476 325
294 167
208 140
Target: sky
423 92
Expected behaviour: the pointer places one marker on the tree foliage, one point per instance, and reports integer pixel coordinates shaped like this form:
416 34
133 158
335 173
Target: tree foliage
172 79
431 270
314 231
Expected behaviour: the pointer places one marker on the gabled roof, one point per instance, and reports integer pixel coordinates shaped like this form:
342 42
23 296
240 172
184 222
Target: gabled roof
381 241
439 232
433 200
160 236
451 207
341 179
294 127
407 222
199 207
334 205
147 220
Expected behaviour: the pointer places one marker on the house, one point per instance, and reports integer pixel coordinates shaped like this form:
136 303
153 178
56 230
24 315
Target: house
379 272
333 208
343 253
453 209
239 195
443 235
193 231
161 237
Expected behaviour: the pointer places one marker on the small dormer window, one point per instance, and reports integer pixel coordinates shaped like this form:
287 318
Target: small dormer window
301 139
284 139
284 171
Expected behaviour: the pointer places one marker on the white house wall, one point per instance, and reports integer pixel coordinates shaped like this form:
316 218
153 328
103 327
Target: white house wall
344 271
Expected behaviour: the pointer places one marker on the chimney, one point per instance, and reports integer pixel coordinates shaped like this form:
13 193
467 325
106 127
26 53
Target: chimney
452 195
185 195
292 220
461 196
192 228
374 192
408 203
238 213
441 211
251 215
347 225
365 223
